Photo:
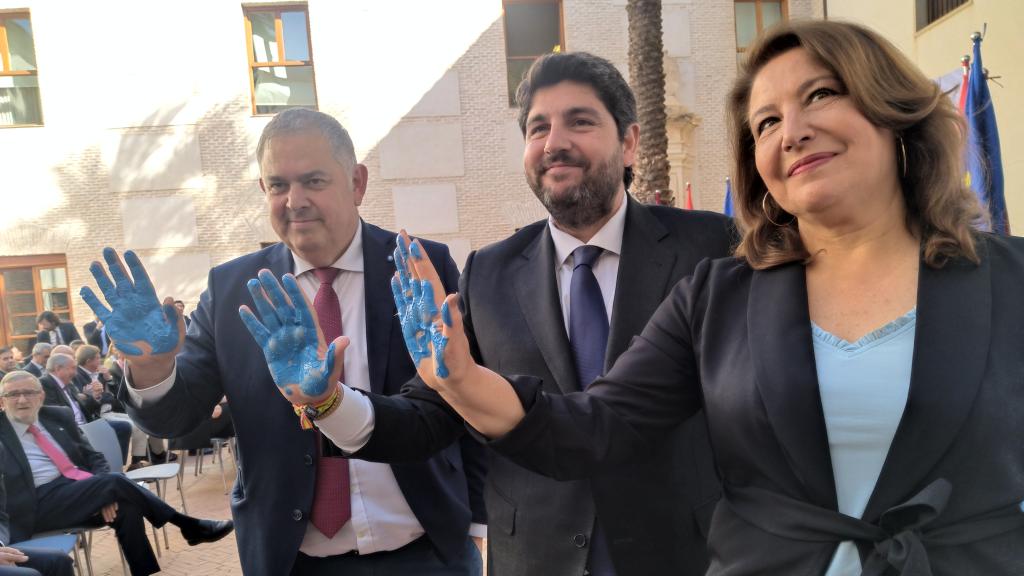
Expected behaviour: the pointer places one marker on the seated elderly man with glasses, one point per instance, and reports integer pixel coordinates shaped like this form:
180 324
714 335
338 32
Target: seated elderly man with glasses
48 464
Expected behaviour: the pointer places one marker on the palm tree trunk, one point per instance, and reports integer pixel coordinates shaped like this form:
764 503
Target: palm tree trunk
647 77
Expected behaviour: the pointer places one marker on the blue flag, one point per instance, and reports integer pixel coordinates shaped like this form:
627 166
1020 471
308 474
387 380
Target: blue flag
984 160
727 209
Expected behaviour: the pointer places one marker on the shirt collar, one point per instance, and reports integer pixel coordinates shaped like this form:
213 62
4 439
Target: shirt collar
351 259
19 428
609 237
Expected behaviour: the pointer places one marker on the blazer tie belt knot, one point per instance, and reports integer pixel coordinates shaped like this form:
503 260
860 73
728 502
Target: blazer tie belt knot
900 538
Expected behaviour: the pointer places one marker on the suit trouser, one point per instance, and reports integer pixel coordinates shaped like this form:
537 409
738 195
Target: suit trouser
40 561
64 503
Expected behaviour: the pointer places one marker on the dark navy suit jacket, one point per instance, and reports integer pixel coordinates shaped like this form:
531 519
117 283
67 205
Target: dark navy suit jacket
273 495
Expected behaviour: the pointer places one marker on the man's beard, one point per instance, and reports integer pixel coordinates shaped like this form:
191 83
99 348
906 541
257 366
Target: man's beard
585 203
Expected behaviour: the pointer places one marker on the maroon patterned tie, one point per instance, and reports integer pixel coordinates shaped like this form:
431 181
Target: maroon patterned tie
332 504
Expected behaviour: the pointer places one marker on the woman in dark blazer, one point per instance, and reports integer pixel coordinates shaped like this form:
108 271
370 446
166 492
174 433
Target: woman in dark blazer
859 361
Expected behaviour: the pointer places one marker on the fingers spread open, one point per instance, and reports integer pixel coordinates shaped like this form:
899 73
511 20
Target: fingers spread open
103 281
143 285
259 298
282 305
122 283
101 311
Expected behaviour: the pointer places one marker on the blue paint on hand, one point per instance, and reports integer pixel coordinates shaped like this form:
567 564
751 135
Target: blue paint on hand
288 336
417 311
135 319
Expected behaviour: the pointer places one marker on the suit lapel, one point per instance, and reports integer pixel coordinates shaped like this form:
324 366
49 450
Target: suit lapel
645 269
779 332
537 293
9 438
279 260
951 345
378 269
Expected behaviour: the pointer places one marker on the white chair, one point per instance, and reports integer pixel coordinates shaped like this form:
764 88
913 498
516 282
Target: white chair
104 440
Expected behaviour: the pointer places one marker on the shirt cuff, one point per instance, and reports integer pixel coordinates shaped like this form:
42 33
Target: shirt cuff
350 426
142 397
478 530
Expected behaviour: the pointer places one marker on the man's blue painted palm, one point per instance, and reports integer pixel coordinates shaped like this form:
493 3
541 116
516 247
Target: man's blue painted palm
290 339
136 321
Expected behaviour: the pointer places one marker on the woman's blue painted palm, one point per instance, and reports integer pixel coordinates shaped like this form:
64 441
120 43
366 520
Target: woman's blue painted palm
290 339
418 312
136 320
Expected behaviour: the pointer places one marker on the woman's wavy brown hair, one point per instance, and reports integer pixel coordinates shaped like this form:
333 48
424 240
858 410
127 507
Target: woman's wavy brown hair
891 92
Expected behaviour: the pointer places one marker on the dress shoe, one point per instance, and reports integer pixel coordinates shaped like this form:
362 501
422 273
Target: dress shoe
164 457
137 464
204 531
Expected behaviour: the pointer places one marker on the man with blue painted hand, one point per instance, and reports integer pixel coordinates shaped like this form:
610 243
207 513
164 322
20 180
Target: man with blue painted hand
300 505
560 300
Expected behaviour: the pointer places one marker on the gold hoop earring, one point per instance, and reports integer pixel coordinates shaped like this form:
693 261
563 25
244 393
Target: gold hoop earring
903 155
764 208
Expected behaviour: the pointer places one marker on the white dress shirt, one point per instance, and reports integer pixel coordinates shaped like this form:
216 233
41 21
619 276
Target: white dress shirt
606 269
43 468
381 517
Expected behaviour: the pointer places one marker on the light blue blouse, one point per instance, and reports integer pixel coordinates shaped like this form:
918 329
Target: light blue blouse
863 387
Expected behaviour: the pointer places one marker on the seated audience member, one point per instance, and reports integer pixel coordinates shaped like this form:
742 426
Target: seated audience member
93 379
48 464
53 331
7 362
36 364
76 344
60 391
26 560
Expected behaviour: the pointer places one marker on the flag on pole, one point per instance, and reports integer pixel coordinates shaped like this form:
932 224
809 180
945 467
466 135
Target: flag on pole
984 159
727 209
965 66
689 197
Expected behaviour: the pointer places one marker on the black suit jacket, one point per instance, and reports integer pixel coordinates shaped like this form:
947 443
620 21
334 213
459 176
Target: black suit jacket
655 512
5 520
738 342
55 397
33 369
272 498
67 331
21 496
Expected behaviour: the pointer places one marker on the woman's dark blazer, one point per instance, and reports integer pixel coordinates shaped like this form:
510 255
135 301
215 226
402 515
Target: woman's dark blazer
738 342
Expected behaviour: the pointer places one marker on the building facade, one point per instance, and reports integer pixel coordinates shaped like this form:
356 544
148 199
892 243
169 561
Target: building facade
134 124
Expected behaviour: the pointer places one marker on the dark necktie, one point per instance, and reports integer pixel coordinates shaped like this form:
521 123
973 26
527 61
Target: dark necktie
332 504
588 336
588 319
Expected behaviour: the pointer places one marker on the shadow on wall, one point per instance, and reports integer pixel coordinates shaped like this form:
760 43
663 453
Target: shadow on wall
451 169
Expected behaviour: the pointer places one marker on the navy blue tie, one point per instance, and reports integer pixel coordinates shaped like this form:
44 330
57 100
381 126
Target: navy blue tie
588 336
588 319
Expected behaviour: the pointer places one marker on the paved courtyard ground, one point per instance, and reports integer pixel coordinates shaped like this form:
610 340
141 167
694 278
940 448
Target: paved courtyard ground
206 499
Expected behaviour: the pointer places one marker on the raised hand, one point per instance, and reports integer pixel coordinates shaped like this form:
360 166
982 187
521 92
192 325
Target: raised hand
305 369
431 324
136 321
